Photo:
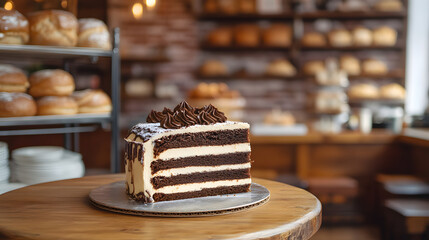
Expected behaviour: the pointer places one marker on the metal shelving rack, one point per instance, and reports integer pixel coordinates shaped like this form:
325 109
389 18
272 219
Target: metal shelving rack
70 126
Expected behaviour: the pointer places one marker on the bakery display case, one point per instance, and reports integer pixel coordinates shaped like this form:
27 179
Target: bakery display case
69 125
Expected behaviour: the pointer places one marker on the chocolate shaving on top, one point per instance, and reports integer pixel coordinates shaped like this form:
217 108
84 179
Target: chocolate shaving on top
185 115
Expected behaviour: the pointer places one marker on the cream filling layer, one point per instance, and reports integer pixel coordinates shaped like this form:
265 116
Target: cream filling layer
202 150
190 170
191 187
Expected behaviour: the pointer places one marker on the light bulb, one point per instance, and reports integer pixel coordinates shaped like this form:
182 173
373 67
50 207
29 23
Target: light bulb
137 10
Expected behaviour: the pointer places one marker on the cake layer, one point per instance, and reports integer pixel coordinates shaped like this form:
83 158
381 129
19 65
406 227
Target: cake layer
209 138
208 160
202 193
190 170
203 151
200 177
190 187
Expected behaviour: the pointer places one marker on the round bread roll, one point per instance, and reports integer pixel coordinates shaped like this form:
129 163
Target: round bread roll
277 35
277 117
340 38
210 6
374 67
313 39
13 27
53 105
16 105
281 68
92 101
246 6
392 91
12 79
212 68
311 68
389 5
220 37
247 35
50 82
93 33
362 36
363 90
54 28
227 6
384 36
350 65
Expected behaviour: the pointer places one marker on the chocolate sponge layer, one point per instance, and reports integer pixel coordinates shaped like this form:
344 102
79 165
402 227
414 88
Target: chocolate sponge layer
159 182
210 138
206 160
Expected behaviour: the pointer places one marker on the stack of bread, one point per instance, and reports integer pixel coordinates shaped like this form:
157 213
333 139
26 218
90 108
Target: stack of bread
251 35
218 94
53 89
351 65
230 7
52 28
370 91
360 37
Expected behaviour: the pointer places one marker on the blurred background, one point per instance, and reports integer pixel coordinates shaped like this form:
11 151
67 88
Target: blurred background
336 92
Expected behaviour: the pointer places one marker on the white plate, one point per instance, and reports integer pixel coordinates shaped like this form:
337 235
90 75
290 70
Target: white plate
38 154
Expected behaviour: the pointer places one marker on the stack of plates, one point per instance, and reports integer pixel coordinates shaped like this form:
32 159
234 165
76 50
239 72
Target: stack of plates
4 166
46 163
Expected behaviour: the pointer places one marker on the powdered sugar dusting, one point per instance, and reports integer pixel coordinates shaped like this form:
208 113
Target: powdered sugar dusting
9 97
7 69
66 20
87 23
99 37
12 19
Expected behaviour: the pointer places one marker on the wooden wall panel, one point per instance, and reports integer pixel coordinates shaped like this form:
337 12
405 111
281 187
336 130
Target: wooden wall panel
275 157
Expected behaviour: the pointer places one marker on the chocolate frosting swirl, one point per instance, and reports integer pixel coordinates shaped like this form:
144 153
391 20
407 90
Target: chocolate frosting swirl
170 122
184 115
155 117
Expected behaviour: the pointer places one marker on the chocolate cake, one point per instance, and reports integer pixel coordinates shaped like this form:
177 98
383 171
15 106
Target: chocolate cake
186 153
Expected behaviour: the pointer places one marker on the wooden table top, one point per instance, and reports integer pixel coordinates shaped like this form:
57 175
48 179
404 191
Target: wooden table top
61 210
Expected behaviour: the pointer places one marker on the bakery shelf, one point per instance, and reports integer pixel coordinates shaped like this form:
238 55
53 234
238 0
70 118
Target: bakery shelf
49 51
55 119
353 48
240 48
249 77
69 125
245 17
351 15
378 101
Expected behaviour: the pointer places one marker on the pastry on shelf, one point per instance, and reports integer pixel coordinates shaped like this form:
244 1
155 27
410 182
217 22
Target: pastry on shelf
12 79
340 38
281 68
219 94
247 6
228 7
277 35
314 39
53 105
53 28
331 102
278 117
311 68
93 33
210 6
92 101
392 91
374 67
362 36
363 91
389 6
51 82
384 36
247 35
13 27
353 6
350 65
213 68
220 37
17 105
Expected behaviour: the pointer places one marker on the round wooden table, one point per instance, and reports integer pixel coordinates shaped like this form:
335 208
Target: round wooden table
61 210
